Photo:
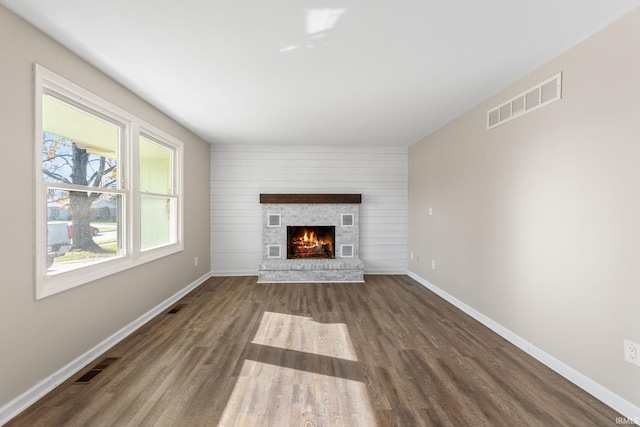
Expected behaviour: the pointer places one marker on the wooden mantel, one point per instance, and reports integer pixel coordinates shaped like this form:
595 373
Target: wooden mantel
310 198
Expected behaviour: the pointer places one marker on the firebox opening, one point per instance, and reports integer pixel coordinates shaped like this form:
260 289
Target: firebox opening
311 241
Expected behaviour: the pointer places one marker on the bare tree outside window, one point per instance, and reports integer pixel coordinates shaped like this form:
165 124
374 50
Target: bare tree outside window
67 162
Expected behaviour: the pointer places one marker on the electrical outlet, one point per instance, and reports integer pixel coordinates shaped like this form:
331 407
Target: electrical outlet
631 352
195 261
430 211
433 264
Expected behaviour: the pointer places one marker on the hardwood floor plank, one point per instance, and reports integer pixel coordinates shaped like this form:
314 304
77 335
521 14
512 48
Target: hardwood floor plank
384 353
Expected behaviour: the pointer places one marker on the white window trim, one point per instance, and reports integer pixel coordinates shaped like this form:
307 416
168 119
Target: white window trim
47 81
177 183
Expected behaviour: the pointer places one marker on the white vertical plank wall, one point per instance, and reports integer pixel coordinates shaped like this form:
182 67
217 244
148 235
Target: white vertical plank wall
240 173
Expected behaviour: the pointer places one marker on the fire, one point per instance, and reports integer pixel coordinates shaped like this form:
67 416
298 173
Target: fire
308 243
310 238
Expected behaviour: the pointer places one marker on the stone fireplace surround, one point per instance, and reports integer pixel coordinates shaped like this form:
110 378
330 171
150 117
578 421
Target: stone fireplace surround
311 210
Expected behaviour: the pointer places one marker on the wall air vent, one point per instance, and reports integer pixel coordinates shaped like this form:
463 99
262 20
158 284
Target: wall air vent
347 220
531 99
346 251
273 251
273 220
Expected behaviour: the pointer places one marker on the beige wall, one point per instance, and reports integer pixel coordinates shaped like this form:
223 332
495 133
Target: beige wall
39 337
536 223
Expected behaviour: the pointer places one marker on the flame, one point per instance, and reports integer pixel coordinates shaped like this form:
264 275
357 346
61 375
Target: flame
310 239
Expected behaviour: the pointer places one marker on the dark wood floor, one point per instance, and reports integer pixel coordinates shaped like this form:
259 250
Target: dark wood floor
387 352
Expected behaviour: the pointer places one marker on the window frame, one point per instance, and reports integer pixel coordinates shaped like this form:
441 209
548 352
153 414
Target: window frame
154 136
49 83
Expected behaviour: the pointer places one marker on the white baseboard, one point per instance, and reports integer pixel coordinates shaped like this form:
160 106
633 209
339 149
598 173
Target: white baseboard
384 272
234 273
32 395
623 406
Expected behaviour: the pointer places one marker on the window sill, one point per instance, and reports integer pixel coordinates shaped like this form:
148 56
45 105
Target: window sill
53 284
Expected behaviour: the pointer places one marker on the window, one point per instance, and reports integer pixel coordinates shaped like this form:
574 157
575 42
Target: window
158 201
107 187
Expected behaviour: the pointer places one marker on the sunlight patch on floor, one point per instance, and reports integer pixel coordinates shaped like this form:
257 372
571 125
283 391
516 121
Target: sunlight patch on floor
273 395
303 334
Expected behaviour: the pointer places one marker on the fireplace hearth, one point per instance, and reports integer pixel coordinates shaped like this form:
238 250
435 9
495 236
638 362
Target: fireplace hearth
311 242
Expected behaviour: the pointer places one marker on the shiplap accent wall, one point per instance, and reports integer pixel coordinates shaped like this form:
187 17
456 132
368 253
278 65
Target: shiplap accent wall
240 173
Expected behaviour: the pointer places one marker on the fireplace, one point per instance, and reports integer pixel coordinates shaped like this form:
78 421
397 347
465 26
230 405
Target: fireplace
326 250
311 241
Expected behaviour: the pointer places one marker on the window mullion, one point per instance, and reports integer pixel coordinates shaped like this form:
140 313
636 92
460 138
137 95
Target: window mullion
83 188
150 194
133 179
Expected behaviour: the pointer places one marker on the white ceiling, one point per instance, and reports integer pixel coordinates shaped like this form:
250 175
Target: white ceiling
331 72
